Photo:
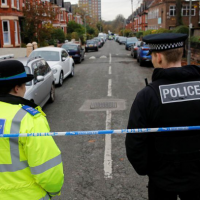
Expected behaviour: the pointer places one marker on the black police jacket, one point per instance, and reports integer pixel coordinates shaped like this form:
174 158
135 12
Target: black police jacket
171 160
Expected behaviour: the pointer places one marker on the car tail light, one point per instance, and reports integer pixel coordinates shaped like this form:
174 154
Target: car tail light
145 48
135 48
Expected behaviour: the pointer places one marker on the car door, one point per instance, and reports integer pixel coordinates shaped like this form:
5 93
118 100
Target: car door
38 95
46 72
65 60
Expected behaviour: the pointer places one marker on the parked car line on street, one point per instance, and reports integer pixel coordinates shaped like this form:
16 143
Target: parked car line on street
59 60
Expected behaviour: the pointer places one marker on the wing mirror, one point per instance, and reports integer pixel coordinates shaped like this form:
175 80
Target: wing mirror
40 78
63 58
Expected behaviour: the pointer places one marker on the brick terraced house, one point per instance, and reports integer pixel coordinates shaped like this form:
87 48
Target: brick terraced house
162 14
10 14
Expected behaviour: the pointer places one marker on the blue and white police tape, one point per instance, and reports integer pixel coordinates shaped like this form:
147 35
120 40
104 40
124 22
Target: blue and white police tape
103 132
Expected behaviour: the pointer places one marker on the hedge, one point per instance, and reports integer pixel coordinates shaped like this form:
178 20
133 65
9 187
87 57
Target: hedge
195 39
181 29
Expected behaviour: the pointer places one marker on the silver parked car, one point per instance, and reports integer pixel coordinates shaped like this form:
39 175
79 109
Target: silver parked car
42 88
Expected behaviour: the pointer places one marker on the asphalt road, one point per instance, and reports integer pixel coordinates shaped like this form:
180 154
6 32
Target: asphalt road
96 167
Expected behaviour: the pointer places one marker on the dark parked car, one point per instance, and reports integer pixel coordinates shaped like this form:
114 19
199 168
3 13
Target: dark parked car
122 40
130 42
75 51
134 49
142 54
91 45
100 43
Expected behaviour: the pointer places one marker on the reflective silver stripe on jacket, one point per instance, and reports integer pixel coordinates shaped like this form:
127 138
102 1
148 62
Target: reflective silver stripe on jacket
45 198
47 165
14 146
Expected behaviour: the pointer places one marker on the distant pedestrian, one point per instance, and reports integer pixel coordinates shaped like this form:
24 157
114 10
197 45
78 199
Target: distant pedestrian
30 167
170 160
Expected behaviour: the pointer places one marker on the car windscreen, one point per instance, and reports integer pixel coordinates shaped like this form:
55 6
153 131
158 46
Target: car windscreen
47 55
131 39
91 42
70 47
28 71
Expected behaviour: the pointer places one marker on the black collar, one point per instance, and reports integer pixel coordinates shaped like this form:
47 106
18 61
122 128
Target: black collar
185 73
17 100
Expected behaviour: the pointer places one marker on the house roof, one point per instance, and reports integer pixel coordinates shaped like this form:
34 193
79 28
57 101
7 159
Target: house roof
68 6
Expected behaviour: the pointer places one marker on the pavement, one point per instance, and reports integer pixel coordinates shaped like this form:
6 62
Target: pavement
96 167
18 52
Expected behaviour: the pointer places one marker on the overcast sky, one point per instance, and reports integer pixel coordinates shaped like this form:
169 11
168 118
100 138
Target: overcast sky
111 8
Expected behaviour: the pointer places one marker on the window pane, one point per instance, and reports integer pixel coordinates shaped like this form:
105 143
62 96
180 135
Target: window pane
5 26
6 38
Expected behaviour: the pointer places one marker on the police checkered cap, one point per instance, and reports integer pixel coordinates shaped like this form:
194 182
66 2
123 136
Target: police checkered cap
165 41
165 46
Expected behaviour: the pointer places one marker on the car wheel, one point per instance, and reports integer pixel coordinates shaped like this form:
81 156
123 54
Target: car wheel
97 49
52 94
79 61
86 50
61 79
141 62
72 72
134 56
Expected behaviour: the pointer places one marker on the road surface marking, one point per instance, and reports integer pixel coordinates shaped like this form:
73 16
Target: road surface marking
110 70
110 58
103 57
109 87
108 145
92 57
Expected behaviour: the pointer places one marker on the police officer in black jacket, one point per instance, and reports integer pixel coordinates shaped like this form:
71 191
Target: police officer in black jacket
170 160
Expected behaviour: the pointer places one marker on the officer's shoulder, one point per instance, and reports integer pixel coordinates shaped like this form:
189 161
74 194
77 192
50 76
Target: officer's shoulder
146 91
147 94
32 111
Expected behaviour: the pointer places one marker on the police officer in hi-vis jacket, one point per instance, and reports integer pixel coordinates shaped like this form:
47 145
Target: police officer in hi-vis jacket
30 167
170 160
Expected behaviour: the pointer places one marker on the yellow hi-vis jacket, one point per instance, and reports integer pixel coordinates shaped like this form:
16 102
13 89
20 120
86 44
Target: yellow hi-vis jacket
30 167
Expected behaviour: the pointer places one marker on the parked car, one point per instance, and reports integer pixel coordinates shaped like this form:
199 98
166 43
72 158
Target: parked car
59 60
75 51
91 45
42 88
99 40
134 49
130 42
142 52
122 40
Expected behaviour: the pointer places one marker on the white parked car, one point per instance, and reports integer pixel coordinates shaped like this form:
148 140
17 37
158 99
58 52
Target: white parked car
59 61
42 88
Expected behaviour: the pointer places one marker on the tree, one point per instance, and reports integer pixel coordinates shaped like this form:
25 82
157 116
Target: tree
58 34
100 26
74 27
36 15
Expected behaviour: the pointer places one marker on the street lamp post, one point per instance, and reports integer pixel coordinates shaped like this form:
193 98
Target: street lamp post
189 37
85 28
132 15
